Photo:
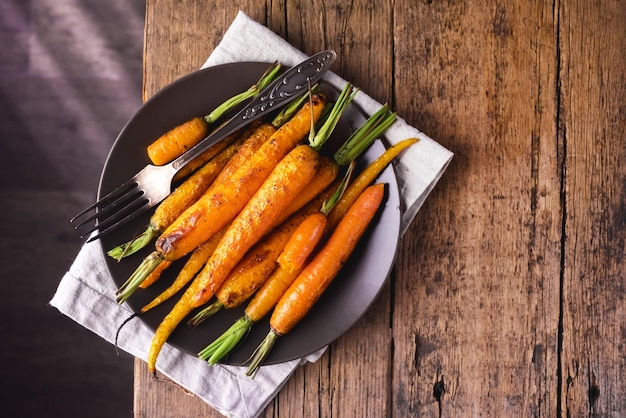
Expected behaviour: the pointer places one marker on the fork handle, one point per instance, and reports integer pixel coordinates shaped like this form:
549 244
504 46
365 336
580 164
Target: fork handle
286 88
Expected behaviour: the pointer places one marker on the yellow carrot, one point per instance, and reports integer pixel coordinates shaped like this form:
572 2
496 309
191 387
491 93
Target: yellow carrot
364 179
224 200
320 271
288 178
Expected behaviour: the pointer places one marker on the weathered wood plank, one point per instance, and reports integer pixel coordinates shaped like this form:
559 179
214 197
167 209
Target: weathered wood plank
358 363
314 388
163 398
185 32
475 321
593 122
508 294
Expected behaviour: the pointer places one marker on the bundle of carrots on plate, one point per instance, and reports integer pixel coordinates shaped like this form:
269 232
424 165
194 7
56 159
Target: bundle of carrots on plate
265 217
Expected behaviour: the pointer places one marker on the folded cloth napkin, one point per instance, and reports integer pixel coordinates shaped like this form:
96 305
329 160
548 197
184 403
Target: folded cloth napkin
86 291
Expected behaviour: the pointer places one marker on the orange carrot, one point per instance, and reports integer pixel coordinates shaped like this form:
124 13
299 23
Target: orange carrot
318 274
181 138
302 243
252 143
288 178
177 140
224 201
364 179
320 271
215 209
155 274
326 174
260 262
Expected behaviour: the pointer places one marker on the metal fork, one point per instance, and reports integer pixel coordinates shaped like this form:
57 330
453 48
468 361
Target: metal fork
153 183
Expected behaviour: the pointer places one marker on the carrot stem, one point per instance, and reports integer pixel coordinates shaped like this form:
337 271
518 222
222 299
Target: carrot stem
328 205
139 275
133 245
254 90
261 352
288 111
365 135
205 313
225 343
317 140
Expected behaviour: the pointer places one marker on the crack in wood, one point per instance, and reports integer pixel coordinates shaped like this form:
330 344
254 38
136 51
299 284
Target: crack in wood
439 389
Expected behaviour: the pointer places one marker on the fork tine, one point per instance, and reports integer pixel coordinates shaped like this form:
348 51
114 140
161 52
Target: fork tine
120 223
109 208
114 194
119 215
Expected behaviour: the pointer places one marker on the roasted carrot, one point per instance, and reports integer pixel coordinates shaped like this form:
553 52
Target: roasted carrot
375 125
228 161
290 259
239 287
260 262
177 140
290 176
364 179
318 274
185 194
326 174
223 202
202 159
181 138
303 242
320 271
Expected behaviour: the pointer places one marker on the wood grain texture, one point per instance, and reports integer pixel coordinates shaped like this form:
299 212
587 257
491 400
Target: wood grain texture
592 126
507 298
482 272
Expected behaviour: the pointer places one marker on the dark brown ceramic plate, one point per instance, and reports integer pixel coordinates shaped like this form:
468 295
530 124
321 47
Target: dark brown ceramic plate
344 302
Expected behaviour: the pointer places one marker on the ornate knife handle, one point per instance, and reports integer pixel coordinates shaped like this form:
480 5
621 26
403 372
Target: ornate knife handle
291 83
282 91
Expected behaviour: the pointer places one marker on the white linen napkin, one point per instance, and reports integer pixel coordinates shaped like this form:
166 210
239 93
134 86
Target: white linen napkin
86 291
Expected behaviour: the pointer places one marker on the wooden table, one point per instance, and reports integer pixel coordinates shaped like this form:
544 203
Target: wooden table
508 296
